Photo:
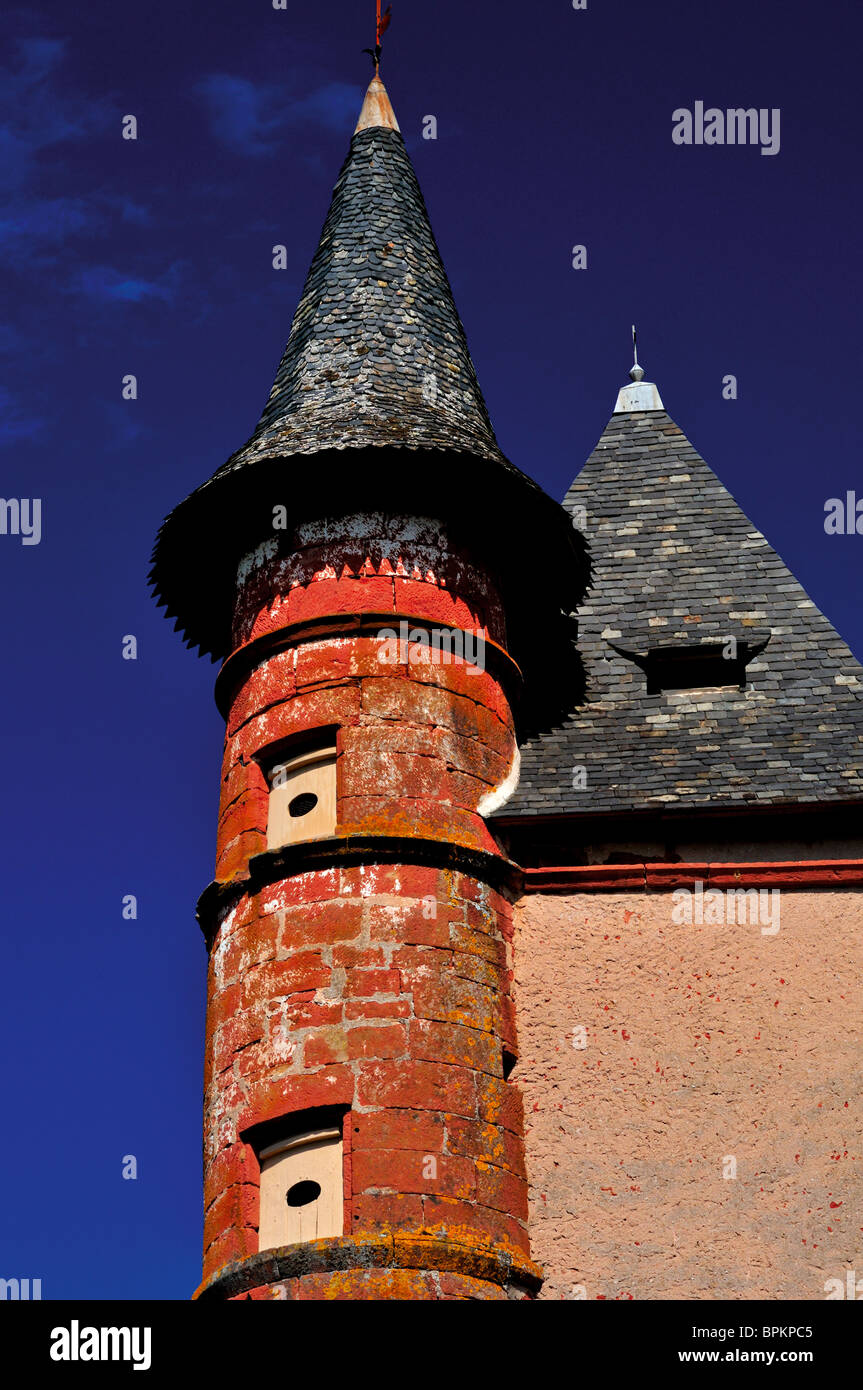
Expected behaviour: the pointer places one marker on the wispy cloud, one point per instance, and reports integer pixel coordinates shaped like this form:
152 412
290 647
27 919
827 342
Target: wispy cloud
35 113
110 286
15 424
123 426
335 105
26 223
241 114
40 113
10 339
253 118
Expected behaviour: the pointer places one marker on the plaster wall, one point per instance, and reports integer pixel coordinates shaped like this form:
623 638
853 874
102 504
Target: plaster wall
702 1044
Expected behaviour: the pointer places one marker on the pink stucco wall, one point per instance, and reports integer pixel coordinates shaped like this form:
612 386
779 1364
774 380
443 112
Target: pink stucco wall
703 1043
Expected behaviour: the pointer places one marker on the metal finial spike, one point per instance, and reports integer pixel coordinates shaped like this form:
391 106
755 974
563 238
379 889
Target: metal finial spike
641 395
381 26
636 372
383 22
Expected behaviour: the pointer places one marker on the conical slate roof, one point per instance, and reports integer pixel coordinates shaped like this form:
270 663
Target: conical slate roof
376 364
377 353
678 566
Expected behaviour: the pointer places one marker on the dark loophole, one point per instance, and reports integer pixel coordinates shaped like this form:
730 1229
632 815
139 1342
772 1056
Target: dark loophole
303 1192
302 804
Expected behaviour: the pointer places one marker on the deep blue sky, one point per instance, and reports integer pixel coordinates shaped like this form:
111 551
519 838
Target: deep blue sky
154 258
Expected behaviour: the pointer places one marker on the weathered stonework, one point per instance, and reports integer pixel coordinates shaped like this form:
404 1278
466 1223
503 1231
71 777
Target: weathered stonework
381 988
366 975
382 1265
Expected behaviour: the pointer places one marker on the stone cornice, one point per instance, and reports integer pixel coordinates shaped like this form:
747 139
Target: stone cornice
237 666
494 1264
343 851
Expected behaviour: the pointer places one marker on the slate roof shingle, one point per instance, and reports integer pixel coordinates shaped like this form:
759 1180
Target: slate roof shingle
377 353
676 561
377 364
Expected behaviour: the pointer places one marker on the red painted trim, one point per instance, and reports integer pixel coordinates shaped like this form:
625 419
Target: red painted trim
614 878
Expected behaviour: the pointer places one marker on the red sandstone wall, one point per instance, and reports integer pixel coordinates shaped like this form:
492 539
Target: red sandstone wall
702 1042
336 988
383 990
419 744
369 562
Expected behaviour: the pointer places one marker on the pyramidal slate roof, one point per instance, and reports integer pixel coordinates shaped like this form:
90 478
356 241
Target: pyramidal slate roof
677 565
377 353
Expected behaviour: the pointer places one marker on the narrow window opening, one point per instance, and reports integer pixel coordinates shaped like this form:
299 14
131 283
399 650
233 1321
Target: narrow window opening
696 666
681 668
302 1185
302 794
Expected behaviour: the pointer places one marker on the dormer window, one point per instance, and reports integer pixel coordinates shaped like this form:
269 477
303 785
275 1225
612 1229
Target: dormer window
694 666
302 796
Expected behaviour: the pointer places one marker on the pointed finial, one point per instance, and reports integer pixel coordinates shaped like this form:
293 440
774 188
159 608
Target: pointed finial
377 112
636 373
641 395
